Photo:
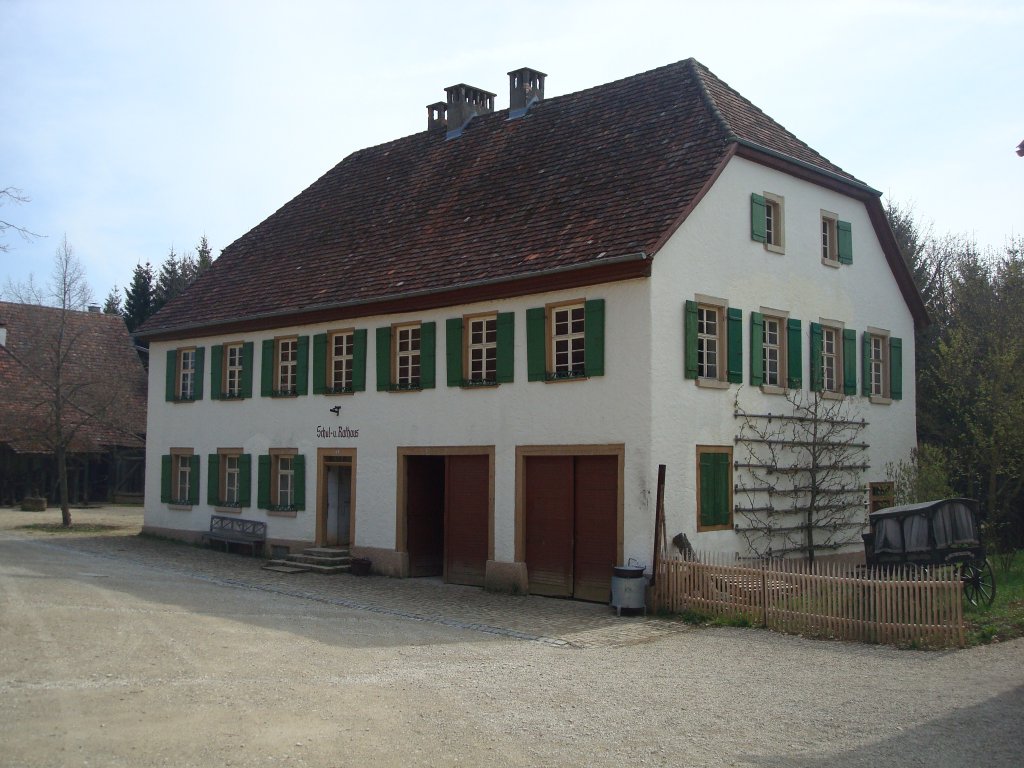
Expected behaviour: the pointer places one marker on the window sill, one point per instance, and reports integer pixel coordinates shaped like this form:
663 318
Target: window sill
709 528
226 398
781 250
833 263
338 391
231 510
284 394
771 389
879 400
485 384
179 506
712 383
830 395
183 400
282 513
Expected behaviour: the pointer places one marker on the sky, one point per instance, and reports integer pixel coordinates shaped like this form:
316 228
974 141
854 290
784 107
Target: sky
138 127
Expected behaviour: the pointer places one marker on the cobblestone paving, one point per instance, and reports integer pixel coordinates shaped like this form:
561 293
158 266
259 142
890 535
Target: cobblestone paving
560 623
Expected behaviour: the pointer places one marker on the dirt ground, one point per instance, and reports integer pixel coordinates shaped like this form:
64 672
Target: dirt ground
117 650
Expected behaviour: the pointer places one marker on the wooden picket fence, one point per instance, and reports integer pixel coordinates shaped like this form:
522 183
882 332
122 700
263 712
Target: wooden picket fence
918 607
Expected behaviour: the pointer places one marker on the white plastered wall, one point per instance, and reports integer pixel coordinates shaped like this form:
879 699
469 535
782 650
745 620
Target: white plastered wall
610 409
713 254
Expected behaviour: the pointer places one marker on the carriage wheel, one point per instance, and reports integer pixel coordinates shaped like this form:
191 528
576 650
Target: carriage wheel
979 582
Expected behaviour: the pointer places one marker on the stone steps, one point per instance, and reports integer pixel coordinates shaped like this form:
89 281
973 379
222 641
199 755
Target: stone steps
326 560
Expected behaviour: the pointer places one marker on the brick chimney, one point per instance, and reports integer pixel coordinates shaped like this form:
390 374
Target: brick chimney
525 88
437 116
464 103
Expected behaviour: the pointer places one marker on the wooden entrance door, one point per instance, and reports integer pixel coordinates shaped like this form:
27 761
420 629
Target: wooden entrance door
571 524
467 502
425 514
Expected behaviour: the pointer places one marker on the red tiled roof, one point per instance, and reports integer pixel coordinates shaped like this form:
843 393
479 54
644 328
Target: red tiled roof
104 380
580 180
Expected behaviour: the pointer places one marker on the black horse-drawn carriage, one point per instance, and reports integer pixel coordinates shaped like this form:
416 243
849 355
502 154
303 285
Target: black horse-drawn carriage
945 532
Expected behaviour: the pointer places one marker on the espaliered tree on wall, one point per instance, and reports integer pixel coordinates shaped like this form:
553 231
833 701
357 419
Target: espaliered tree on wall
800 476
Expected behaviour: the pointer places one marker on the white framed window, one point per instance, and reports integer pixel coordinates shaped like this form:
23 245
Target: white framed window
709 341
285 480
187 374
233 363
232 485
773 351
342 346
287 366
829 238
831 359
407 356
568 340
482 348
774 223
182 492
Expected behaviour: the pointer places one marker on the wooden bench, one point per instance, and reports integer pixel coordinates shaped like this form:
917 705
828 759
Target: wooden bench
235 530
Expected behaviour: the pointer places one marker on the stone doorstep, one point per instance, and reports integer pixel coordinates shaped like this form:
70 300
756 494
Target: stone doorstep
307 559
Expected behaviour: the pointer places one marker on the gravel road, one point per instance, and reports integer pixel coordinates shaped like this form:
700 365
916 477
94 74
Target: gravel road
115 652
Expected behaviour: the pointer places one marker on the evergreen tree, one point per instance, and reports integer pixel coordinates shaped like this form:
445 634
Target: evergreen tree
171 281
138 297
204 259
112 306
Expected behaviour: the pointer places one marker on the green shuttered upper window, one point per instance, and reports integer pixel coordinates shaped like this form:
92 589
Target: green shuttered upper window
284 367
184 375
767 221
565 341
480 349
406 357
713 342
231 371
339 362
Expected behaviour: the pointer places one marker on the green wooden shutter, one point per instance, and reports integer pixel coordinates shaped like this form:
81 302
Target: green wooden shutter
299 478
216 372
593 337
794 354
844 234
756 349
865 364
359 360
199 372
428 355
817 382
319 363
263 491
506 342
267 369
849 361
383 359
302 366
734 343
896 368
165 478
758 227
245 480
453 350
171 392
247 355
714 489
536 344
193 477
690 340
213 479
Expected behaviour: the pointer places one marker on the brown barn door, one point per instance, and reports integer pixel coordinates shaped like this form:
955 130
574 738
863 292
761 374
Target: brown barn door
547 497
424 488
467 490
596 498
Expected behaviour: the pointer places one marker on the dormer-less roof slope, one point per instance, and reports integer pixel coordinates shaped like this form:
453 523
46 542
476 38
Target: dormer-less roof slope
104 380
586 187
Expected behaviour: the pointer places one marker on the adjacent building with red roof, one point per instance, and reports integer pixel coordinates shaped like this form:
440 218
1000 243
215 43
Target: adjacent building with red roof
466 352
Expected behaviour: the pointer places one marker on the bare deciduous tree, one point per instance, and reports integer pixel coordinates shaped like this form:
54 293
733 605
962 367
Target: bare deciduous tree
799 479
13 195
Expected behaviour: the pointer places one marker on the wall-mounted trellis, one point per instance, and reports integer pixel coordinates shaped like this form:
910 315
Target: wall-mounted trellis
799 479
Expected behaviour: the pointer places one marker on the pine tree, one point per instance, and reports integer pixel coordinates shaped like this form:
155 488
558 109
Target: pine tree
204 259
170 283
138 297
112 306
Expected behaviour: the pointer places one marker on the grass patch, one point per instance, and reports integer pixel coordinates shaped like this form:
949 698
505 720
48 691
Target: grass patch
1004 619
75 528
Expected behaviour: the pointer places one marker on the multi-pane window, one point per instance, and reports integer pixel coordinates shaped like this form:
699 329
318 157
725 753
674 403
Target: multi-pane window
287 366
831 359
232 484
877 366
285 485
182 482
568 341
342 346
187 374
767 221
233 362
708 342
829 243
407 356
482 348
771 352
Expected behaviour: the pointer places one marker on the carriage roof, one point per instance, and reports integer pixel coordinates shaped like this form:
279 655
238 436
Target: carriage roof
924 507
